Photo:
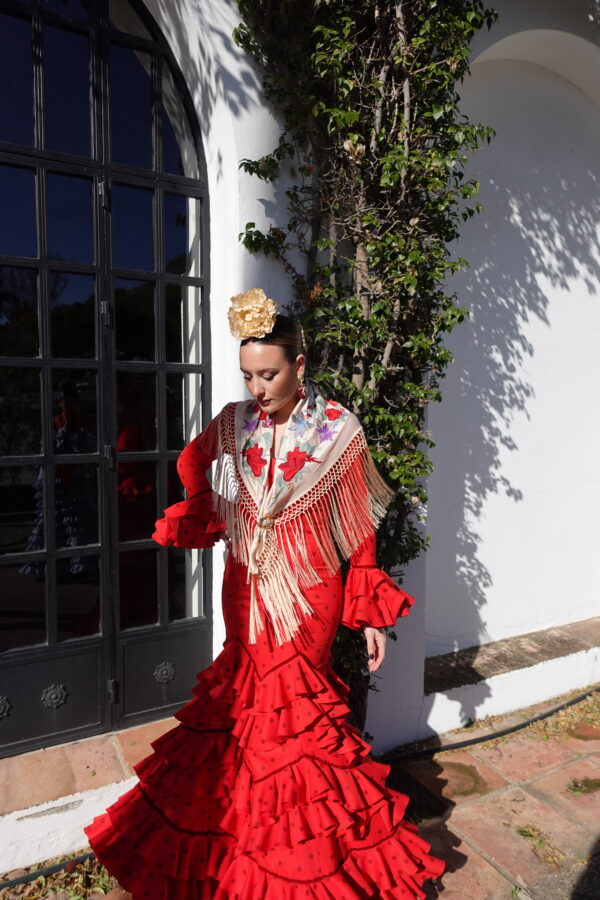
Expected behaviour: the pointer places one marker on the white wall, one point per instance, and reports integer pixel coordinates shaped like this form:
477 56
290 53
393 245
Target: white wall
512 515
235 124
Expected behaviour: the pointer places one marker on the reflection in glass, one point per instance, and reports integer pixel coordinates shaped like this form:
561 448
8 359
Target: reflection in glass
75 410
17 212
134 319
72 315
19 332
183 321
16 81
136 424
138 596
130 107
21 499
20 411
123 18
175 405
78 600
133 241
75 9
22 608
70 221
67 91
75 513
182 235
179 152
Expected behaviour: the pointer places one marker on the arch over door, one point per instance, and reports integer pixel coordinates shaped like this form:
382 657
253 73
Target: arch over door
103 342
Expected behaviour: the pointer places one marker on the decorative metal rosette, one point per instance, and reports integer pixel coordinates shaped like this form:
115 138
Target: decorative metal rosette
5 707
165 672
54 695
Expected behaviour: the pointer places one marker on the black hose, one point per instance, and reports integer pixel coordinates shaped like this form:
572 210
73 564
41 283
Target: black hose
393 757
49 870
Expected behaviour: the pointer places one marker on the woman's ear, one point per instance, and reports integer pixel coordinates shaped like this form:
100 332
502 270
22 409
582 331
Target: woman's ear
300 364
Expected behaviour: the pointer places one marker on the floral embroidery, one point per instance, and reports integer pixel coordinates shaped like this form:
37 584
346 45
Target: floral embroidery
299 424
296 459
255 459
249 425
325 433
333 414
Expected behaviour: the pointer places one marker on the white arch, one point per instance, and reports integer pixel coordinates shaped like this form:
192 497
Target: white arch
573 58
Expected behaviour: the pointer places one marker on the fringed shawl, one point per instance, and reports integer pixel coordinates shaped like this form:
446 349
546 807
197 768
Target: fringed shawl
325 482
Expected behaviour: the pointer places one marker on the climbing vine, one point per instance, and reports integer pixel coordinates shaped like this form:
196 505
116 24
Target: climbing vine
373 152
375 145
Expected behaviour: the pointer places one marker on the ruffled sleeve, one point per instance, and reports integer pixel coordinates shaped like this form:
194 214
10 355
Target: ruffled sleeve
193 523
371 597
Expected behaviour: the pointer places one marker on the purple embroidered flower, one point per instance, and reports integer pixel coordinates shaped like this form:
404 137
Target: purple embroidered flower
267 422
325 433
249 425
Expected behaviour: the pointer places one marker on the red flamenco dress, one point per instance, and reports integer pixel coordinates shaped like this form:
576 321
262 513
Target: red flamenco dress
264 791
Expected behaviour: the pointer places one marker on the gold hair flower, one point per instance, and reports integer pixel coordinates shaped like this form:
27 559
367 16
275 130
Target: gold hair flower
251 314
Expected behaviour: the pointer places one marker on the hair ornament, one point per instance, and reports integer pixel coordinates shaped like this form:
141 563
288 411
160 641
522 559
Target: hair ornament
251 314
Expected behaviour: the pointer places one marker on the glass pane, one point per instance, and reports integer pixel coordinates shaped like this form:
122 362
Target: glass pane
179 152
21 509
175 404
137 500
70 218
75 9
67 91
183 323
22 605
16 81
78 597
72 315
133 240
75 511
138 593
19 332
136 411
175 491
134 319
182 235
74 410
123 18
130 107
17 212
20 411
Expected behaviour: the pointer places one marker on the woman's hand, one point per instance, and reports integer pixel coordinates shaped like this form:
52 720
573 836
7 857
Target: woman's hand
376 638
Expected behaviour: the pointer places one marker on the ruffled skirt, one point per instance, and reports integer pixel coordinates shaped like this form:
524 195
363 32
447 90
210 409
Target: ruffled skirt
264 791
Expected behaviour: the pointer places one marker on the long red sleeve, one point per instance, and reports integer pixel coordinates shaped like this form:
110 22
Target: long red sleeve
192 523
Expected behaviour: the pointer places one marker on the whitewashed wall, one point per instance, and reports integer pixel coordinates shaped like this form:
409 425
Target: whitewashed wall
512 515
513 499
235 124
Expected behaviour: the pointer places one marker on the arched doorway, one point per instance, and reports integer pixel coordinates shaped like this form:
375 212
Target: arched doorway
103 338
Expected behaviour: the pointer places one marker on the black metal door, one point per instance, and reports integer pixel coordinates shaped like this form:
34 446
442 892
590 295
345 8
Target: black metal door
103 338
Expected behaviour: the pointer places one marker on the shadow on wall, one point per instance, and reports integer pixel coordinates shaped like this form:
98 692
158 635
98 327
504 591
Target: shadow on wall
535 262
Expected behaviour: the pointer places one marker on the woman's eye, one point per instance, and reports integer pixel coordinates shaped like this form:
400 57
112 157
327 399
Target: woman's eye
268 377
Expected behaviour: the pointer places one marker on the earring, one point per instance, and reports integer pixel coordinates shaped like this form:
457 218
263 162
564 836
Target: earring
301 388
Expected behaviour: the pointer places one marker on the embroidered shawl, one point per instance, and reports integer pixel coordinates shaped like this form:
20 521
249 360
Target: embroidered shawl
325 481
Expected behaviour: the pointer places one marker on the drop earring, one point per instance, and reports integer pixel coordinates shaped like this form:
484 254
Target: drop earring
301 388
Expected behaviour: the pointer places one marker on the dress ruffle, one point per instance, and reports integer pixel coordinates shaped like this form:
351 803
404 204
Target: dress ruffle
190 523
371 597
263 791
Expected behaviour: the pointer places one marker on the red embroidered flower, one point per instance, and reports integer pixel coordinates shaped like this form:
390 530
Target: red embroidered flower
255 459
296 459
333 414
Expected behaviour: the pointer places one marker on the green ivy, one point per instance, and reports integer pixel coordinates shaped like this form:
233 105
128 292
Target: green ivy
374 147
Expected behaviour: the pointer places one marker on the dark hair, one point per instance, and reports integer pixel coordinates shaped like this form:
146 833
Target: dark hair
287 334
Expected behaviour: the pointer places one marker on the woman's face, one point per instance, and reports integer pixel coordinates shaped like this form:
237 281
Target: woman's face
270 378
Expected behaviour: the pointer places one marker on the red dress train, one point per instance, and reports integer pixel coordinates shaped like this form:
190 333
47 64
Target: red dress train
264 791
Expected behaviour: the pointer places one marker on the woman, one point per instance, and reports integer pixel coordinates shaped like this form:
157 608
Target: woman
264 791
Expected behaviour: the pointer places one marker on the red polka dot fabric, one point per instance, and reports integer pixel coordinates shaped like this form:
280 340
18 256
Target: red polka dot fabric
263 790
